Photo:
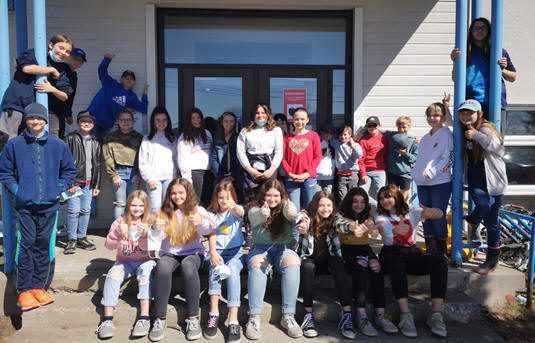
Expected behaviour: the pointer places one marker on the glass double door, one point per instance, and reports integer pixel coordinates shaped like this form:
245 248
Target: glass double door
216 90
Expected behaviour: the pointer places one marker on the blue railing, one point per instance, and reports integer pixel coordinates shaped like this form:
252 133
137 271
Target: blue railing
522 226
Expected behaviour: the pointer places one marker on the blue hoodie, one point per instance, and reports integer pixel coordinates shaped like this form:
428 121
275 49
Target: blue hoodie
112 98
36 170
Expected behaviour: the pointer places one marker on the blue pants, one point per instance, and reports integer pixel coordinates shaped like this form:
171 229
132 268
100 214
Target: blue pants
233 281
486 210
257 278
157 195
307 189
78 212
376 180
35 253
128 184
122 271
436 196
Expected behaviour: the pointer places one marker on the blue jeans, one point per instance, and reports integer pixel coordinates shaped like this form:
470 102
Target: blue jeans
436 196
486 210
157 195
122 271
308 188
233 281
376 180
128 184
78 212
257 278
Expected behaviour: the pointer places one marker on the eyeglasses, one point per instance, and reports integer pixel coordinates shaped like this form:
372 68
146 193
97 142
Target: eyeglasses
124 120
371 125
480 28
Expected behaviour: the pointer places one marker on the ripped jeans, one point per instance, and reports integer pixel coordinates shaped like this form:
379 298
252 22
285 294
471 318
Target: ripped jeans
273 255
122 271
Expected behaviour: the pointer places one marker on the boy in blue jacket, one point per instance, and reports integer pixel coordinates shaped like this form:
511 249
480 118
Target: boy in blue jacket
113 97
36 167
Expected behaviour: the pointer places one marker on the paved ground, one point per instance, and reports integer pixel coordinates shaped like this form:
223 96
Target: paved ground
76 313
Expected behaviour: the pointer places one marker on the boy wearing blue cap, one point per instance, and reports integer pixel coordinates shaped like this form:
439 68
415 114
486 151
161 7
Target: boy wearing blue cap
114 97
36 167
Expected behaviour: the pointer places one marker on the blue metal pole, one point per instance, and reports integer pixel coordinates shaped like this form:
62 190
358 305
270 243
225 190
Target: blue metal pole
461 28
495 103
531 266
21 21
477 9
40 41
5 75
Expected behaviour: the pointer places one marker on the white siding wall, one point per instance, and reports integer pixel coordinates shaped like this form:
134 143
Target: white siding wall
406 47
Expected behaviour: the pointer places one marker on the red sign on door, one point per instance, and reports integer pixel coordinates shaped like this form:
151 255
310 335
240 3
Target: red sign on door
293 98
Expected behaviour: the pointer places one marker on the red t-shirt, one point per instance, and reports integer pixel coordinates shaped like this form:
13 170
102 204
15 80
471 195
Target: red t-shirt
374 149
302 153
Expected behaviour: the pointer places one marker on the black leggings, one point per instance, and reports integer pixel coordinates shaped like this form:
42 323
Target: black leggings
400 261
361 274
335 265
163 276
203 184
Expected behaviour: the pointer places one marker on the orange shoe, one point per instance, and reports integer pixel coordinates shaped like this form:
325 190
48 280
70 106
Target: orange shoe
27 301
42 296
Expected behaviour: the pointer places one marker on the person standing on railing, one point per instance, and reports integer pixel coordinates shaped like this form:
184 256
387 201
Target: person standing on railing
486 176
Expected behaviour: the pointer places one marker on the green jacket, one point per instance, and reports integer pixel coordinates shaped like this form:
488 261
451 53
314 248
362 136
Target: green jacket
121 149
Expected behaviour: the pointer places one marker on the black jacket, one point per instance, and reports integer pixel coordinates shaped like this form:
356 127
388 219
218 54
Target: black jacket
76 144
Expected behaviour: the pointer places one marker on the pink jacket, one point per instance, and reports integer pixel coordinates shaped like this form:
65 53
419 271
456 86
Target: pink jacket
127 250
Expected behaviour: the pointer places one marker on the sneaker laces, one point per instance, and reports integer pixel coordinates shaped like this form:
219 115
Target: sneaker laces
158 324
363 322
106 323
308 321
234 329
192 324
290 321
346 323
212 321
254 323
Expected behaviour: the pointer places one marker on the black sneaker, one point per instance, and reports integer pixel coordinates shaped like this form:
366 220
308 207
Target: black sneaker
309 326
211 327
234 335
86 244
70 248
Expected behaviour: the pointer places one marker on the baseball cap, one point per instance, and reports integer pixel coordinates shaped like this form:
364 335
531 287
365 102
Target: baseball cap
77 52
84 114
471 105
127 73
373 120
35 110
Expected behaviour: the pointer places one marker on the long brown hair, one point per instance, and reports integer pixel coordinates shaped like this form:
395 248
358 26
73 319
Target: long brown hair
477 149
392 191
321 225
270 125
190 132
470 43
224 185
275 222
183 232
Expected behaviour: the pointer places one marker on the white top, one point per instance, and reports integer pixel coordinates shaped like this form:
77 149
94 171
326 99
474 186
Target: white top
156 158
391 221
326 168
193 156
260 141
435 158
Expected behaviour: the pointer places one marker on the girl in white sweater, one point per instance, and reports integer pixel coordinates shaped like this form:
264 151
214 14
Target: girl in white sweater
259 150
155 154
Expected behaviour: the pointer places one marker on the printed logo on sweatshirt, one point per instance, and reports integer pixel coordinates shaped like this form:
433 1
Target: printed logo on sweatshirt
120 100
298 145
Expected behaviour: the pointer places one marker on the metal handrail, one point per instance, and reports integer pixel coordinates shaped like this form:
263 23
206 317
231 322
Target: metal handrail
531 264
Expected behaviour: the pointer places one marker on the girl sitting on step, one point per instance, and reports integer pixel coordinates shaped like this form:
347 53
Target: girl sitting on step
225 251
128 235
400 256
354 223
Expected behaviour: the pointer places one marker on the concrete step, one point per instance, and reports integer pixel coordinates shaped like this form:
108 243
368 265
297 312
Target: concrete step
75 316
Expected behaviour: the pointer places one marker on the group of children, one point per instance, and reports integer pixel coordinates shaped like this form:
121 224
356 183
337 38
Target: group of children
349 188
